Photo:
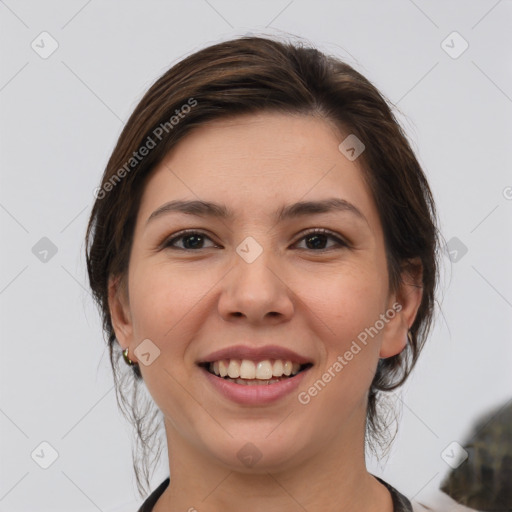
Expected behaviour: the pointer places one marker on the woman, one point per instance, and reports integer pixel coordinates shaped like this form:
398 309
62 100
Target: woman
263 248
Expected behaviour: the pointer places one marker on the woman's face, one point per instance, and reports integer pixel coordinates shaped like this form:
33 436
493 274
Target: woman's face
254 290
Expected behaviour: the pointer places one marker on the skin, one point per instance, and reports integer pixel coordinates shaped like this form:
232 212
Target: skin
312 300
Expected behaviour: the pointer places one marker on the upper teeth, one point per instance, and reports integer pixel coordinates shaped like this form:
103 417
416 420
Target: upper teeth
247 369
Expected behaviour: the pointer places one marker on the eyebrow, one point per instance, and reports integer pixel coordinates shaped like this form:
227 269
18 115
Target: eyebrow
208 209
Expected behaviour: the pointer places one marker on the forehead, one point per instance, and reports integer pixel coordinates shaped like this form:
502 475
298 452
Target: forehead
258 162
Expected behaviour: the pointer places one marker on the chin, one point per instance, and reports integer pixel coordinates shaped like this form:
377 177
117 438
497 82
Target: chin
258 453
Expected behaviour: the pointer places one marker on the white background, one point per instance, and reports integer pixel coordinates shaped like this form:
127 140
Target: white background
60 118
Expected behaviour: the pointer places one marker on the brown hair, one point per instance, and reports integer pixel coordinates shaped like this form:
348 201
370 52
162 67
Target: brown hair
254 74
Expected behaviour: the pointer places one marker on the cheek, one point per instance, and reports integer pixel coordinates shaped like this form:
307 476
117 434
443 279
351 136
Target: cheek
347 303
348 300
162 301
347 308
162 296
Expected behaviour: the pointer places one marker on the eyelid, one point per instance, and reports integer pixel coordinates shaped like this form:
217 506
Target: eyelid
322 231
341 242
167 240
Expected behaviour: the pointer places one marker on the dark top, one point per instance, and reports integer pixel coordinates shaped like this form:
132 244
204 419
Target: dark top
400 502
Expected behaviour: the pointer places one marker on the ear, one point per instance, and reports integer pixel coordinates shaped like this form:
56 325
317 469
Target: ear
405 302
120 312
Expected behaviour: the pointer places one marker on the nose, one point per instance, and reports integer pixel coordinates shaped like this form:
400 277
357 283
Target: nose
256 292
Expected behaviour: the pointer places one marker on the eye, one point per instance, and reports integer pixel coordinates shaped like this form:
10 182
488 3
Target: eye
317 237
191 239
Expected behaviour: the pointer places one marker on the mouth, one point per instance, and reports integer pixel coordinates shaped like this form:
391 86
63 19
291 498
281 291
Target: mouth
254 376
249 372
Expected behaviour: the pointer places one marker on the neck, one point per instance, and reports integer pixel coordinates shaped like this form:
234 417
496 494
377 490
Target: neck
332 479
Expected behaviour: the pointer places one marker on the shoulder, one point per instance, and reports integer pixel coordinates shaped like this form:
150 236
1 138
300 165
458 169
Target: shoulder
438 501
400 502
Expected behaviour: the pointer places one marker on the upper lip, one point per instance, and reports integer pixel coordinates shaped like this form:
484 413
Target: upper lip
255 354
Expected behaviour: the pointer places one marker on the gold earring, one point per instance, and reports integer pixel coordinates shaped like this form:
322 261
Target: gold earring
127 360
409 336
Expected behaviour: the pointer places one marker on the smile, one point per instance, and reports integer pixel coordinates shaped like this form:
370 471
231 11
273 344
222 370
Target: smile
250 373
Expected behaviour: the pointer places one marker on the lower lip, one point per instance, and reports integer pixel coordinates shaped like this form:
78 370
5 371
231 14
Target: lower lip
258 394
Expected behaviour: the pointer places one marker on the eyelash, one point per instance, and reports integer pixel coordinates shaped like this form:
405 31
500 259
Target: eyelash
168 242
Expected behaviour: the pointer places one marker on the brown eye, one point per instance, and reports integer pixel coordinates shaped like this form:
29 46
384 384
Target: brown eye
316 239
191 240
